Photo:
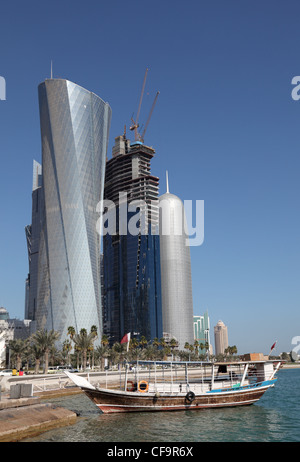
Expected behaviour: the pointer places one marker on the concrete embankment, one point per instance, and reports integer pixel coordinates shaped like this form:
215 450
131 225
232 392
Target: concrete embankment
26 417
29 416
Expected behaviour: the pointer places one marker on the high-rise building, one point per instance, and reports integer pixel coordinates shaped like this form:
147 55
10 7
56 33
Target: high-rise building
74 131
201 330
176 277
221 338
131 257
33 241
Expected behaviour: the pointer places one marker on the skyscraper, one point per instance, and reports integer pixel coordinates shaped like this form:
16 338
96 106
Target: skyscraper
176 277
201 330
33 241
221 338
131 254
74 131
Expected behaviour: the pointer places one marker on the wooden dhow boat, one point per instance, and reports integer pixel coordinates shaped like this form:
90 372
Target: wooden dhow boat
178 385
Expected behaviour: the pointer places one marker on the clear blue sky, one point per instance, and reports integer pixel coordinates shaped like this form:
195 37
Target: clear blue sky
225 127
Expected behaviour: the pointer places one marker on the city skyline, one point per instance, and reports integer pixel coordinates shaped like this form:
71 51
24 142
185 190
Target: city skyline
225 127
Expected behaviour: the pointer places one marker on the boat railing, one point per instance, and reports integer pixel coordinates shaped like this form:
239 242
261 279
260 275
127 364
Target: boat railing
177 379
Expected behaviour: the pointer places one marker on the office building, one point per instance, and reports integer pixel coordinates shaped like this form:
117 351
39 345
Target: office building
33 241
201 331
74 132
221 338
176 277
131 257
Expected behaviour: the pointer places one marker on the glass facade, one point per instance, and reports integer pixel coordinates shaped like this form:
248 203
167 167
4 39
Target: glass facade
132 287
74 132
132 281
201 330
33 239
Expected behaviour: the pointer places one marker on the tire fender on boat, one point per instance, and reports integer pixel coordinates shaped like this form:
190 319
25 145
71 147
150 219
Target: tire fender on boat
190 396
130 386
143 386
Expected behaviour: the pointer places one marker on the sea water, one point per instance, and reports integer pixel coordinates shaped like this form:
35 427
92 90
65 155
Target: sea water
275 418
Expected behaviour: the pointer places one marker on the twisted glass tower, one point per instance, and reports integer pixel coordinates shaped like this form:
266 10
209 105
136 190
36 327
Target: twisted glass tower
74 132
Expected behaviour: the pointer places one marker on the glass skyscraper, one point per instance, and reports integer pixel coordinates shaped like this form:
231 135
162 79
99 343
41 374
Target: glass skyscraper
33 232
131 260
74 131
202 329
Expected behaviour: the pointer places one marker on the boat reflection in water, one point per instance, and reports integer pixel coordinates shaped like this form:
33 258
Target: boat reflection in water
178 385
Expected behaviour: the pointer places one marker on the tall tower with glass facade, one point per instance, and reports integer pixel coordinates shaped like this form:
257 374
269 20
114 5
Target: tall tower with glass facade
74 132
176 275
201 330
33 232
131 256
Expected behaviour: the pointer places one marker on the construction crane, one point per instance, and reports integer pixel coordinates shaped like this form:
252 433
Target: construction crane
149 117
135 124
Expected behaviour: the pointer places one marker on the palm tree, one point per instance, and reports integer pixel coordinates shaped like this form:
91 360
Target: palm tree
143 341
104 340
71 332
186 346
17 348
173 345
67 348
38 354
134 348
162 342
196 346
45 340
155 342
101 353
83 342
94 332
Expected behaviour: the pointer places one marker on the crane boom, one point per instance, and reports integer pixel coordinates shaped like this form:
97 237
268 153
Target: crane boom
141 98
149 117
135 124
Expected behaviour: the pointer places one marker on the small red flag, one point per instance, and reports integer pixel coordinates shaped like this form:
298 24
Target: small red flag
126 338
273 346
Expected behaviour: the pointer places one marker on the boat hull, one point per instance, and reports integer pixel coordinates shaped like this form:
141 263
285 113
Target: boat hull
109 401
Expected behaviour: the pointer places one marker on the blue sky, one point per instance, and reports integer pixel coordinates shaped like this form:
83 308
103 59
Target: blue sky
224 126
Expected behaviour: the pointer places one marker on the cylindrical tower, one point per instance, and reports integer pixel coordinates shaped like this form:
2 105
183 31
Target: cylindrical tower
176 277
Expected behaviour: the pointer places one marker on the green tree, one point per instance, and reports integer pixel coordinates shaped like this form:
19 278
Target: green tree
17 348
83 342
143 341
37 353
67 348
45 340
101 353
155 343
196 346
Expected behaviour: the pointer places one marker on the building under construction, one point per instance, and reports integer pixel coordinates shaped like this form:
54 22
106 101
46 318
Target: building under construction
131 257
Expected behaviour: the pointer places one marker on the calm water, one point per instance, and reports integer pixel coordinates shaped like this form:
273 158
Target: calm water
275 418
